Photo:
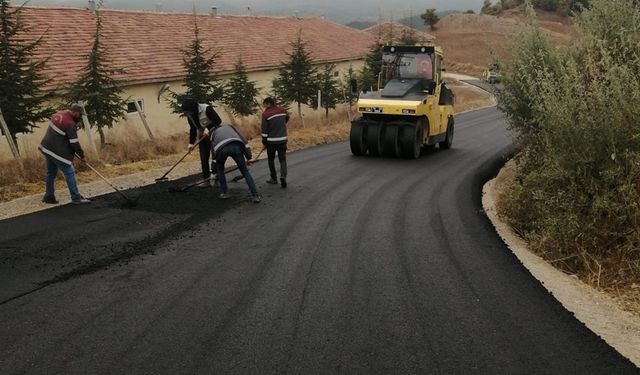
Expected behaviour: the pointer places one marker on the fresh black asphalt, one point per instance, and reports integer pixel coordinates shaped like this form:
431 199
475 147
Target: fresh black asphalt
361 266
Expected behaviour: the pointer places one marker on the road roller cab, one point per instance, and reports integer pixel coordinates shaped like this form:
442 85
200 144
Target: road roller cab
412 108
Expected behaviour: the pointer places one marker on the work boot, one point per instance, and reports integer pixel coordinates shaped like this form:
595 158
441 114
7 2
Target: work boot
50 200
81 200
272 181
256 198
223 196
283 182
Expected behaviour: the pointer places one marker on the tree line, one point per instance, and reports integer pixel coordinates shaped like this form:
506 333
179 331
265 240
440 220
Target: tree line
24 103
298 81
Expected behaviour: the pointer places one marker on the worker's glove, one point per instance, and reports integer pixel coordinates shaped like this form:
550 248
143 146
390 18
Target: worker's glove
250 162
81 158
205 133
191 148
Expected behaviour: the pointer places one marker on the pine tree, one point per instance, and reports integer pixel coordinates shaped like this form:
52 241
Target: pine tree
97 86
368 76
330 92
430 18
409 35
277 93
297 76
22 99
241 93
348 96
202 83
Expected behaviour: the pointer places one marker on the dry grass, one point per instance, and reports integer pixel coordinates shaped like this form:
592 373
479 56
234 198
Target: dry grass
606 273
129 148
469 97
124 156
319 130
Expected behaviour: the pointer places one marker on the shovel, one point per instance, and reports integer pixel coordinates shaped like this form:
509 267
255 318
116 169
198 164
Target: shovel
164 176
128 202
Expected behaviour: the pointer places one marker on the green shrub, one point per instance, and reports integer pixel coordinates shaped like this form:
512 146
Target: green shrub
576 117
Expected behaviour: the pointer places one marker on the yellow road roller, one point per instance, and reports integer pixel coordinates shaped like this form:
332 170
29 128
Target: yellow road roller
411 109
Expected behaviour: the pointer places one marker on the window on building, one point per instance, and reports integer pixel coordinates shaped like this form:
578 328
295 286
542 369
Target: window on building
131 106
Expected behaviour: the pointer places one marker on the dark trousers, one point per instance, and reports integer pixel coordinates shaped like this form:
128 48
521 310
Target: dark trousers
281 149
205 156
53 165
235 151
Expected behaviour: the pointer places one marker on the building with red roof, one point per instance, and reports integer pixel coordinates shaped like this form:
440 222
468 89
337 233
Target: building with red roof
148 47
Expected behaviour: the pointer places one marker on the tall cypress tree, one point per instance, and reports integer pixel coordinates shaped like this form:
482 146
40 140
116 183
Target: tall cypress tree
22 100
201 82
348 96
372 67
241 93
297 77
330 92
430 17
97 87
277 93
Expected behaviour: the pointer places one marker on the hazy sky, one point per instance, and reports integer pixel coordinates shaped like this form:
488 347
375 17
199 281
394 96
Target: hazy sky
337 10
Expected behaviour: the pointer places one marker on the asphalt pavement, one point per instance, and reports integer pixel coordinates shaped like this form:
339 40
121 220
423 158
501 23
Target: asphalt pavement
361 266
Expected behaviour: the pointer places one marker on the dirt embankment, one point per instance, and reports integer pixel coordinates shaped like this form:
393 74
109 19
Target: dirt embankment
469 40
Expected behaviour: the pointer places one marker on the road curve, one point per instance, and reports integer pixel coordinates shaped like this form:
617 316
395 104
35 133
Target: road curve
362 266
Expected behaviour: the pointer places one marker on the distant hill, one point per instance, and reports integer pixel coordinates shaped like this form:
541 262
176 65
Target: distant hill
337 10
360 25
416 21
469 39
412 21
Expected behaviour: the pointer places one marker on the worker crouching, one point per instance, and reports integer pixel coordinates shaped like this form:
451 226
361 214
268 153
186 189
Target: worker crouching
228 142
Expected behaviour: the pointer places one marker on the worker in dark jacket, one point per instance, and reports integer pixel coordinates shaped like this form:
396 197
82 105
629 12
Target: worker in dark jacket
59 146
228 141
274 137
202 118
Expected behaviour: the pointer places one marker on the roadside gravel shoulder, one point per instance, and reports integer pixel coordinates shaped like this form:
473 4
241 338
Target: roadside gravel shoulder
32 203
596 310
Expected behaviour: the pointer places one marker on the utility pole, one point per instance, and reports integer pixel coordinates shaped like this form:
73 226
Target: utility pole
143 117
7 134
87 129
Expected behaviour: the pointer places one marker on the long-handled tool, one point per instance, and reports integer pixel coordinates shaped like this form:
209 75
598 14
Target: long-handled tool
164 176
249 164
185 188
194 184
128 202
